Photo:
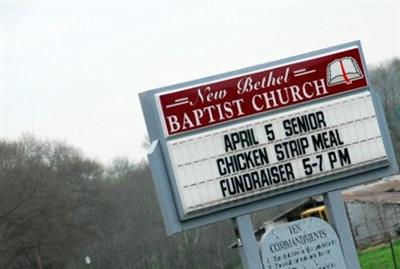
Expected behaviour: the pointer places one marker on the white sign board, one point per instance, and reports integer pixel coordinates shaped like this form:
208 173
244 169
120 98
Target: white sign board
275 151
235 143
309 243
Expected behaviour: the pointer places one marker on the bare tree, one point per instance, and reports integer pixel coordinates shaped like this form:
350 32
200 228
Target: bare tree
386 80
46 193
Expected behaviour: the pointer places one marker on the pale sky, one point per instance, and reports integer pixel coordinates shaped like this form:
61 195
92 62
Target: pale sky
72 70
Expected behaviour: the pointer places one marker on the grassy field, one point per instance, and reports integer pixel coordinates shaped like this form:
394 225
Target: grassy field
380 258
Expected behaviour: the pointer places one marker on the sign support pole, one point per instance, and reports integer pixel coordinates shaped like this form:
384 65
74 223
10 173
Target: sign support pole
338 219
247 243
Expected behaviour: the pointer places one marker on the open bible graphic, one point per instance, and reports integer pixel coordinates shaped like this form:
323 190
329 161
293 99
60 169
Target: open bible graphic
343 70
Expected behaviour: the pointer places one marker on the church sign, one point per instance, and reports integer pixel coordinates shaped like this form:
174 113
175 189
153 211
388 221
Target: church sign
265 131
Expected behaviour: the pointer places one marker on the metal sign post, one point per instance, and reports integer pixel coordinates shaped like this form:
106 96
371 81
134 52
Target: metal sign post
247 242
338 219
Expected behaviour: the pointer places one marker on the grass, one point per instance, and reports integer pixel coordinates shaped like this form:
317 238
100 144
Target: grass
380 258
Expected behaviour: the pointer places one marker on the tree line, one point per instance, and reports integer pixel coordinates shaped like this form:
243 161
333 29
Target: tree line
57 207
